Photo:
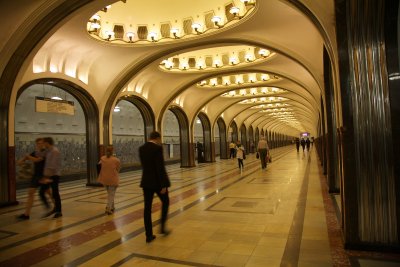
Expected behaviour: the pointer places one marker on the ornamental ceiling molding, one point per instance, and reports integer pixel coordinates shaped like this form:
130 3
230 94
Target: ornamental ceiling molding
216 58
125 22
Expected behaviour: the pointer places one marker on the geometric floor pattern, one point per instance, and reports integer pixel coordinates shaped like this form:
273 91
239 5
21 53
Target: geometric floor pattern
219 216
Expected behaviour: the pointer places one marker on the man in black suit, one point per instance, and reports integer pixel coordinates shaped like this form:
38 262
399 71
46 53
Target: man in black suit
154 180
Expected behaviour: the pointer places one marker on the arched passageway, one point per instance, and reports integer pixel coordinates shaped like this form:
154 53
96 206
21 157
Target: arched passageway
233 132
207 144
75 133
186 147
243 138
223 140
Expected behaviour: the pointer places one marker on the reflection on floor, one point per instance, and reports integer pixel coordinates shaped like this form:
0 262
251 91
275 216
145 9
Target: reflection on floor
219 216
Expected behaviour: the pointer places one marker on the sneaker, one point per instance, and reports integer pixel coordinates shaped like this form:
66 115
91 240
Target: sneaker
23 217
57 215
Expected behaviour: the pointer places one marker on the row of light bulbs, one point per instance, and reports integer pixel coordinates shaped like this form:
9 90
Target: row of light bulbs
262 100
108 35
253 92
269 106
217 62
275 110
238 81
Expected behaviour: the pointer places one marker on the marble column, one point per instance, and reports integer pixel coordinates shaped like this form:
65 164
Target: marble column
370 214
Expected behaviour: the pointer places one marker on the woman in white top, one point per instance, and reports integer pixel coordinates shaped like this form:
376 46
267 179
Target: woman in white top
240 154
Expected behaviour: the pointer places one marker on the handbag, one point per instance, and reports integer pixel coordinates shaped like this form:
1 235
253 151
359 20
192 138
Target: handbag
269 158
257 155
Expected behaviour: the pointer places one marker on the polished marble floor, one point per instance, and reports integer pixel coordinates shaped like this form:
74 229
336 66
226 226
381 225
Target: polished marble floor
219 216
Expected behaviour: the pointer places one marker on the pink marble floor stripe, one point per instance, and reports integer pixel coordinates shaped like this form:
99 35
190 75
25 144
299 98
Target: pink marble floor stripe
338 253
39 254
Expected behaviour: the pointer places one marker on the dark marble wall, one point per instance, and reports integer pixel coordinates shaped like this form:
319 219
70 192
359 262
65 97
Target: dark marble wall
369 184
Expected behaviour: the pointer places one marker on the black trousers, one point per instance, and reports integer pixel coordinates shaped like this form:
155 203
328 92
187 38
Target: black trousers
232 153
42 193
54 191
240 162
148 194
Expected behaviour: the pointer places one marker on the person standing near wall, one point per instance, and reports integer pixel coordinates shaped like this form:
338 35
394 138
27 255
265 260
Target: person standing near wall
297 144
263 150
232 150
108 177
52 172
155 180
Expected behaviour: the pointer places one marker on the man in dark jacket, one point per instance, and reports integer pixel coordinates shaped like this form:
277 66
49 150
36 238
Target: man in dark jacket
154 180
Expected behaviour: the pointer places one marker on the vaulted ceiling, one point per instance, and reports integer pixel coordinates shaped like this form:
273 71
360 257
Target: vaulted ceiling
260 64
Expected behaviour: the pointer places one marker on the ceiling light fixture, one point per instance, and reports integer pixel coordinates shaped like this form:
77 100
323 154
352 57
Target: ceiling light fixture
185 66
264 52
153 36
217 20
95 18
217 63
248 57
265 77
196 27
235 11
175 32
106 8
109 34
94 27
130 35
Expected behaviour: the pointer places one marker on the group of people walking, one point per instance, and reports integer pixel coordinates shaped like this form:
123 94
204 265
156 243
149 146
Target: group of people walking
305 143
47 170
155 179
46 176
238 151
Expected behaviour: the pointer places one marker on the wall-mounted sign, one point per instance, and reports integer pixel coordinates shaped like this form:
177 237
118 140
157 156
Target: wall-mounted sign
43 104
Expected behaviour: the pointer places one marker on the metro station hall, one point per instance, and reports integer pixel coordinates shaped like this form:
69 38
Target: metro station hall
254 133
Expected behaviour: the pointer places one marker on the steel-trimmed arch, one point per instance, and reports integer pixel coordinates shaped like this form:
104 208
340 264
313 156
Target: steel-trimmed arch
251 139
223 141
243 136
44 25
234 133
91 112
209 156
187 149
145 110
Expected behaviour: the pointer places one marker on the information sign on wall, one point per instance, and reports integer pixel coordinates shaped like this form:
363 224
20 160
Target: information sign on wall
43 104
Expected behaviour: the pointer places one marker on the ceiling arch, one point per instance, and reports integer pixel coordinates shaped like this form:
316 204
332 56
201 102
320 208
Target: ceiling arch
109 69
